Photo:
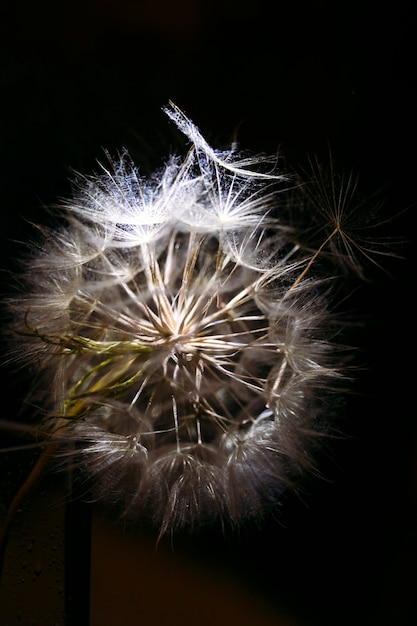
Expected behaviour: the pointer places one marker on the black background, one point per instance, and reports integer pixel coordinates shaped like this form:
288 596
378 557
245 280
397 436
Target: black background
85 75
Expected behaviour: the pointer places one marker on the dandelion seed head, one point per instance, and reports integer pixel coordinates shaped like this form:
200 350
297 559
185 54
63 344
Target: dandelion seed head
179 334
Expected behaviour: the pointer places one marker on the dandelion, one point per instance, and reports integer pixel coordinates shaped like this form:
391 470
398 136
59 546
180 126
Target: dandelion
183 342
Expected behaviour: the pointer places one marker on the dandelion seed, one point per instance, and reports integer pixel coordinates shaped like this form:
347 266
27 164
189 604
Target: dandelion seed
342 220
182 338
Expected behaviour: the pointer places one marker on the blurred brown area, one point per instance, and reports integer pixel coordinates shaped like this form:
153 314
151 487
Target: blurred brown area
32 589
145 584
79 76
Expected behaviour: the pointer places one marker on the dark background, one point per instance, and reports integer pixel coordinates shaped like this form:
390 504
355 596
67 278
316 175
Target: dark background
85 75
